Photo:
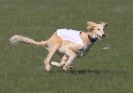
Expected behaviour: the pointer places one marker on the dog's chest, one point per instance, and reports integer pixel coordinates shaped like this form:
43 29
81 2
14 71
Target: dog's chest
82 52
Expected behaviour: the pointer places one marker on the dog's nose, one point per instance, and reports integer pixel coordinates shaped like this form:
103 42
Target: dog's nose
103 35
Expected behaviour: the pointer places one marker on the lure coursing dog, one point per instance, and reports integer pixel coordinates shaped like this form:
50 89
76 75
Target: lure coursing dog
69 43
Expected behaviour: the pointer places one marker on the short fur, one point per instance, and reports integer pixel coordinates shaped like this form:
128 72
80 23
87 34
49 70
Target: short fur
68 49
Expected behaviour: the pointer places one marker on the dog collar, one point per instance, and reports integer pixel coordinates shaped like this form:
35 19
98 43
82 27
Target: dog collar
92 40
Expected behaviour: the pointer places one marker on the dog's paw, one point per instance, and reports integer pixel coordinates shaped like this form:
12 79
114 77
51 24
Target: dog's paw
70 68
48 68
55 64
67 68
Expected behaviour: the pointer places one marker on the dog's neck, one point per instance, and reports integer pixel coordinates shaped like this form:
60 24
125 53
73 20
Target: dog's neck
92 40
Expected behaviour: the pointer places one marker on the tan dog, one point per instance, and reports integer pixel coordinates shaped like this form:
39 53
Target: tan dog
69 49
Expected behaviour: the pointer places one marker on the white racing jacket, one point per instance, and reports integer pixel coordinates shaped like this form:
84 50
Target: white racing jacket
70 35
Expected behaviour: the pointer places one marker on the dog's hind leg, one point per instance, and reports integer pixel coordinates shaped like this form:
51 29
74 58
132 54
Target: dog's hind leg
49 56
63 60
72 55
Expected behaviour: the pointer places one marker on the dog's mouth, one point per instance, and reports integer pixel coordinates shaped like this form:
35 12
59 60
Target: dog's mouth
100 37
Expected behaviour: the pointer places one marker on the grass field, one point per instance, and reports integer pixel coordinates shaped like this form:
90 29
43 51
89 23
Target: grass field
101 71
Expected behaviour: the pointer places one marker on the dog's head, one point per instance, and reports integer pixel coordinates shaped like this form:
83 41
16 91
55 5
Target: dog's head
97 30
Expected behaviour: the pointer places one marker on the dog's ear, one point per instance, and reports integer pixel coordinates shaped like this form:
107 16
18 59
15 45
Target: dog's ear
90 25
104 24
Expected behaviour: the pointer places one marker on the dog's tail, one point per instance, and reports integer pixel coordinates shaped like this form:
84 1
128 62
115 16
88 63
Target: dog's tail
19 38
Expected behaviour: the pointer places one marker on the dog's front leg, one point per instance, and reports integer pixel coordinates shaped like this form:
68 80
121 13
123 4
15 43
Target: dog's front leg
63 61
84 50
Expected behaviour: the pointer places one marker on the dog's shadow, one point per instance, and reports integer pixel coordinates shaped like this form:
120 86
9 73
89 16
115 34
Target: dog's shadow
90 71
85 71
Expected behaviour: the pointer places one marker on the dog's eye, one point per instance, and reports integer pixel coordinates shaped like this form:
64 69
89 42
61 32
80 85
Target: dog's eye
98 29
104 29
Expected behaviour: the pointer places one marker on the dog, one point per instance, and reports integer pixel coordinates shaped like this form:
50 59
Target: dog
69 43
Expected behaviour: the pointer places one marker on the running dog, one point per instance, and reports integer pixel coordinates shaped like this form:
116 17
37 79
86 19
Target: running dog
69 43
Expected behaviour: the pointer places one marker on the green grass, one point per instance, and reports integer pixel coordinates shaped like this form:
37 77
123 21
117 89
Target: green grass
101 71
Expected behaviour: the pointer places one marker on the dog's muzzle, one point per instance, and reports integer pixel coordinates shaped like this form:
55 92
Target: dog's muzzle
101 37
